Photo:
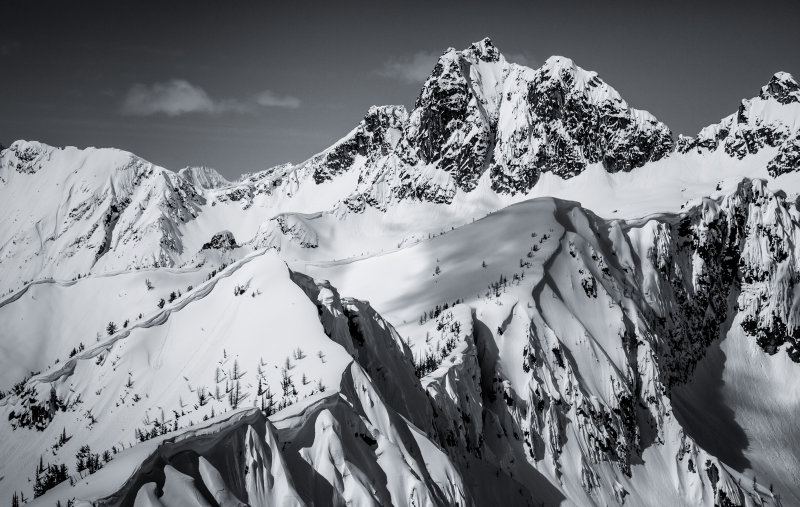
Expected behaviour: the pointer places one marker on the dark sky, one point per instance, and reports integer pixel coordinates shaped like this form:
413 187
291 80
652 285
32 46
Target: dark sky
242 86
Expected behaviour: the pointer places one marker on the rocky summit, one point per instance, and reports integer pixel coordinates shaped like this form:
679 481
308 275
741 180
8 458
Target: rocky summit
523 291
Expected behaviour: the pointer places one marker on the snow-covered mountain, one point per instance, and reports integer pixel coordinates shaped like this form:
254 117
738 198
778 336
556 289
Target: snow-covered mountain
479 114
203 177
769 120
566 306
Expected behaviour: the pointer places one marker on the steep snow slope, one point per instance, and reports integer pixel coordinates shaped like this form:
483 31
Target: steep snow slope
478 113
739 406
67 212
562 355
483 134
548 141
203 177
72 212
581 329
347 447
557 375
253 335
43 323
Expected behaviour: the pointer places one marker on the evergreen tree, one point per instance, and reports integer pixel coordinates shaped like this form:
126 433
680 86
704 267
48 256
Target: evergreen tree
87 461
286 382
235 396
48 477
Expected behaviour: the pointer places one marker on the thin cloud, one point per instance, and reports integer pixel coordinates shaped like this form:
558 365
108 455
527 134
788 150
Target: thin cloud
413 70
522 59
178 97
269 98
172 98
418 67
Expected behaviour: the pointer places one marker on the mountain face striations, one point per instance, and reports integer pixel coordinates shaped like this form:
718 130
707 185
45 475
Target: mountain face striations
522 291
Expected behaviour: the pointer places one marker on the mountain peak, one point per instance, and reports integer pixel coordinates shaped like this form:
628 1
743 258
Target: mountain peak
203 177
23 156
757 124
782 87
569 73
559 62
390 109
484 50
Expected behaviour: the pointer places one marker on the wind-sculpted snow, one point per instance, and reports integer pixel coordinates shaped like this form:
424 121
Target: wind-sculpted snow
516 350
199 465
348 439
374 343
562 372
31 343
203 177
348 447
108 396
68 212
483 133
551 367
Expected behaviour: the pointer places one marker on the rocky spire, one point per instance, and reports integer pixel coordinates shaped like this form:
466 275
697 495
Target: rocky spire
781 87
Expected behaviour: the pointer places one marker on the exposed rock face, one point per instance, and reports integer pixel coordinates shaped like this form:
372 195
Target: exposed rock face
742 247
557 385
740 134
222 240
568 118
768 120
26 157
788 158
782 87
477 113
449 126
569 394
621 316
647 301
374 137
478 118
